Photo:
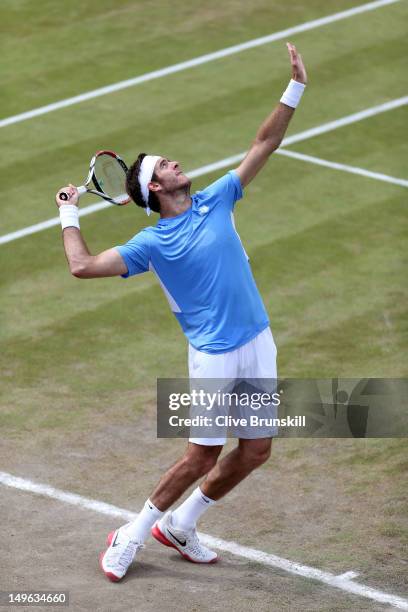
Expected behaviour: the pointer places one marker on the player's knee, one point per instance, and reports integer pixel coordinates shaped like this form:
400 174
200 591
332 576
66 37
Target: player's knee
207 465
264 455
202 459
255 456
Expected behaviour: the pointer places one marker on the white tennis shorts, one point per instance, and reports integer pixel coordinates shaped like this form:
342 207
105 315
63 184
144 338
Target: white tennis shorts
254 360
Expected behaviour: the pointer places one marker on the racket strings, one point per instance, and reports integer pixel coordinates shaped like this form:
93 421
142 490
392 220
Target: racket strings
110 178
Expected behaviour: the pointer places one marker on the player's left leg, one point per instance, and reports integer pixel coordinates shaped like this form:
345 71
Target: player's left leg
256 361
235 466
177 529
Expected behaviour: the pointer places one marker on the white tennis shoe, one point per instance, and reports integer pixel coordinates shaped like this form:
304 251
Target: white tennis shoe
117 558
186 542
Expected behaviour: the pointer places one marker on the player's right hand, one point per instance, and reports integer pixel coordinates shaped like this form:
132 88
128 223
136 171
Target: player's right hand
72 193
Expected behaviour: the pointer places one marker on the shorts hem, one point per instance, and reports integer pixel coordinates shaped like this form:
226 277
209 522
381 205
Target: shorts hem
208 441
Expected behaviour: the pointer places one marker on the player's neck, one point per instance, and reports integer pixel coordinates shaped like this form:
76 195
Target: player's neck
175 203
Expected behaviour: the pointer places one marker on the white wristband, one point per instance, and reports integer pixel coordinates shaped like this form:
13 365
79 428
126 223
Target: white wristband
69 215
293 93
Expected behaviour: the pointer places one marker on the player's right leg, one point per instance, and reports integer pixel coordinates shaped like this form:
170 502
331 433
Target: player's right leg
121 551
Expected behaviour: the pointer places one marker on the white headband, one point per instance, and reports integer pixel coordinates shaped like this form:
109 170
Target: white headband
145 177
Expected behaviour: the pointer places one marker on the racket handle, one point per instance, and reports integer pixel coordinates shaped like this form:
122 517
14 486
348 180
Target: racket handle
65 197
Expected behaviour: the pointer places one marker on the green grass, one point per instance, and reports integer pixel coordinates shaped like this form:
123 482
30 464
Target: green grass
102 41
327 248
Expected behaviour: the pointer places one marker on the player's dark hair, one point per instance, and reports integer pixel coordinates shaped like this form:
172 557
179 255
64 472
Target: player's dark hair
133 186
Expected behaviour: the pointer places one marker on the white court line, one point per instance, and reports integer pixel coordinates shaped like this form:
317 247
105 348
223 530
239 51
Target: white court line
39 227
344 167
337 123
197 61
344 581
235 159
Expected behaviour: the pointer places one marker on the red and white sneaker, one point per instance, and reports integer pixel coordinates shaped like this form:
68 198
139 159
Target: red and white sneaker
186 542
117 558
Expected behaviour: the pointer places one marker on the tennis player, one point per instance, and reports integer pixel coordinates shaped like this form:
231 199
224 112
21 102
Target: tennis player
205 273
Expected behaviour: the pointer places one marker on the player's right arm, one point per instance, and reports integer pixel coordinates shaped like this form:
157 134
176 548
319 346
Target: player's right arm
84 265
81 263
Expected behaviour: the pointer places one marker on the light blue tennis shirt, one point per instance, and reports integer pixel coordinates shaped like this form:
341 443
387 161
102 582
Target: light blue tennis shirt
203 269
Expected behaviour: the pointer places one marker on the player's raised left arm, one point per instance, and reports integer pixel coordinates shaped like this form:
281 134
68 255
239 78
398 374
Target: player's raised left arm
272 130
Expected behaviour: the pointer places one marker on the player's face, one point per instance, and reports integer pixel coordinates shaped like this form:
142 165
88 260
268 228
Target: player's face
170 175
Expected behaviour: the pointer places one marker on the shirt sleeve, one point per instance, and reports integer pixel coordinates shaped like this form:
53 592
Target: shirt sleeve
136 254
226 190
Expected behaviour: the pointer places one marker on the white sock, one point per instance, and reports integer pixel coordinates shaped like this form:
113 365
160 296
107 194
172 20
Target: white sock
186 515
140 528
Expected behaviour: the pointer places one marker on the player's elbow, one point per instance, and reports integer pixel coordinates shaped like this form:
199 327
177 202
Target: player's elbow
82 267
78 271
268 145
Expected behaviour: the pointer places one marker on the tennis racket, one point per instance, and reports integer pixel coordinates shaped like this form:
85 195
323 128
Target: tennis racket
107 171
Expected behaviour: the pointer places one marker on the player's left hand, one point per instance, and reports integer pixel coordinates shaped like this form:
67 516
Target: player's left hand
298 68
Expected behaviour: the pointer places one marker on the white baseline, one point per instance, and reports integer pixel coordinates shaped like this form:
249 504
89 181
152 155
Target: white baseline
344 581
235 159
197 61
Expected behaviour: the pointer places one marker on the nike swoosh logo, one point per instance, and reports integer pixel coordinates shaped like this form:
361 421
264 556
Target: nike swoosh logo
114 541
206 500
177 540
